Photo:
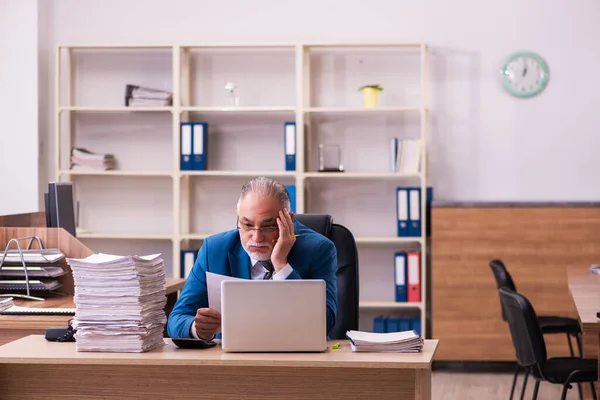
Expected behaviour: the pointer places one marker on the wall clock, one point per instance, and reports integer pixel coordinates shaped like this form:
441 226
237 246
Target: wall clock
524 74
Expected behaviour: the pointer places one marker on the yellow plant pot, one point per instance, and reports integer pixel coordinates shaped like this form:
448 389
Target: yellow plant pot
370 97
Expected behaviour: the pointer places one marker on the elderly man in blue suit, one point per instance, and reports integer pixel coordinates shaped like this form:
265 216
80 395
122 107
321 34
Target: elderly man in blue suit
267 244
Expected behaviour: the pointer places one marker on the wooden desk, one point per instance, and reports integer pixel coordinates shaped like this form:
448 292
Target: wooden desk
32 368
13 327
584 287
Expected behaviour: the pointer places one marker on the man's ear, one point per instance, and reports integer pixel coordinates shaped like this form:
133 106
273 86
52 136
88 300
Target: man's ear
291 215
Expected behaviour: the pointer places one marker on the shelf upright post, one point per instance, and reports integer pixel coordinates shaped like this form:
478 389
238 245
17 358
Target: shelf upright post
176 176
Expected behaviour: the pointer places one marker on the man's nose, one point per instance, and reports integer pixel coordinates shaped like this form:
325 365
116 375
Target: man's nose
257 235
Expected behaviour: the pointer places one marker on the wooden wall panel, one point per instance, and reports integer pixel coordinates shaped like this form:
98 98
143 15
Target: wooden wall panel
537 244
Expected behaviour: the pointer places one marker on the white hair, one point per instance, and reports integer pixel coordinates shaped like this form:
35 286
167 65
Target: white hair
266 187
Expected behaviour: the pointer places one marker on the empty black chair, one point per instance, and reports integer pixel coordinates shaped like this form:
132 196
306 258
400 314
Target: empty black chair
530 348
549 324
347 270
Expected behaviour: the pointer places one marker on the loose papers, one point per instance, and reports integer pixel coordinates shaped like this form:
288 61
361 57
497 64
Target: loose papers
213 285
119 302
394 342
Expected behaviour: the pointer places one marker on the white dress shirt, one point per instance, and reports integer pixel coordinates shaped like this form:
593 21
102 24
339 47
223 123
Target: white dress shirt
257 271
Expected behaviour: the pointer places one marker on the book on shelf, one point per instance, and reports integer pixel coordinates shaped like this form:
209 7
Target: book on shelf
84 159
410 156
139 96
397 323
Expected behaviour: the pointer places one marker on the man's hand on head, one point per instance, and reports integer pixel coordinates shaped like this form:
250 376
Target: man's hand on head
285 242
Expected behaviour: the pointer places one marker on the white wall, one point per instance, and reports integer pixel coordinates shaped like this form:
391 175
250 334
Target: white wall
486 145
19 106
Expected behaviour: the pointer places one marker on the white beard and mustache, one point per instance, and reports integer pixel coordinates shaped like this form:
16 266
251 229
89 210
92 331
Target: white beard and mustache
256 255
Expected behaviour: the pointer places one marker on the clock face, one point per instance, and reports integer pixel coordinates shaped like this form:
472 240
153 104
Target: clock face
524 74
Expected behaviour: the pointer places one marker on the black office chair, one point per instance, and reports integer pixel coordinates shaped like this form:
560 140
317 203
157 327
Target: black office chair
530 348
347 270
549 324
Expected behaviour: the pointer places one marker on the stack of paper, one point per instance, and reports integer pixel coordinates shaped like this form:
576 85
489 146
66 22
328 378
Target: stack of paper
394 342
119 302
84 159
139 96
6 303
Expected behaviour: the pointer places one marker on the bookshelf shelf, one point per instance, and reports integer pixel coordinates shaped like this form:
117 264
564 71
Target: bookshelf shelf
386 240
133 236
360 110
272 174
359 175
388 304
115 109
314 85
116 172
194 236
240 110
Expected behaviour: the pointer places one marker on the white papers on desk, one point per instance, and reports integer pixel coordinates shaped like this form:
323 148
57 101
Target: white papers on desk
6 303
394 342
119 302
213 286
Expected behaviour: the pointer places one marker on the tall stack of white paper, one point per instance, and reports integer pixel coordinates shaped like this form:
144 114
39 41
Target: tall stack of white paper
393 342
119 302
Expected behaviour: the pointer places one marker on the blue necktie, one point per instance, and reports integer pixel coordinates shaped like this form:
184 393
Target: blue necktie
269 267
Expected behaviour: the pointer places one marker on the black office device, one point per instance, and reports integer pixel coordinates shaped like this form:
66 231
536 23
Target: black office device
60 208
188 343
61 334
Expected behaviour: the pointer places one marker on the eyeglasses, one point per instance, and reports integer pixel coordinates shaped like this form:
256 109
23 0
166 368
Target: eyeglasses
262 229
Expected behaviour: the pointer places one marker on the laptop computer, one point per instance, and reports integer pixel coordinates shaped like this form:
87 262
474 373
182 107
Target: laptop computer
273 316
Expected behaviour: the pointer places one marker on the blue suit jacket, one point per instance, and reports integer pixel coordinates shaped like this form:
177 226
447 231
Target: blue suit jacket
313 256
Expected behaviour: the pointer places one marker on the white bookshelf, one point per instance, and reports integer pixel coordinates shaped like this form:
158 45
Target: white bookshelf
149 204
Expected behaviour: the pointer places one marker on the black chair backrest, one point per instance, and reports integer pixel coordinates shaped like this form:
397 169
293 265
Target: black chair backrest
503 279
347 270
525 331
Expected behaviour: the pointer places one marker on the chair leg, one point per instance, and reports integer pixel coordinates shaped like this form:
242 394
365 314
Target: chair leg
593 391
535 389
570 345
578 339
573 355
514 384
524 385
564 392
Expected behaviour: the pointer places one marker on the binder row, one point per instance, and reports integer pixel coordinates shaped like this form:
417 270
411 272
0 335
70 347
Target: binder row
409 213
407 275
388 324
194 145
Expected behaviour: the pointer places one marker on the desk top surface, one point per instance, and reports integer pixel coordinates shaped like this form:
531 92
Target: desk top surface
44 321
584 287
34 349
